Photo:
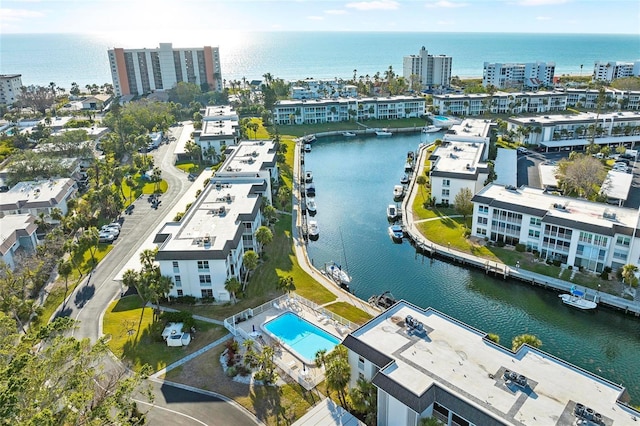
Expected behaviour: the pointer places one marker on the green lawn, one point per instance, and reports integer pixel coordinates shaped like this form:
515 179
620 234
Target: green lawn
132 336
347 311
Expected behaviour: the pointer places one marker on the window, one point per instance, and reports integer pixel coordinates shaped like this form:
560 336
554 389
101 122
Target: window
534 234
203 265
178 280
623 241
481 231
176 268
535 221
206 292
360 363
360 375
445 192
483 221
205 280
483 209
180 293
446 182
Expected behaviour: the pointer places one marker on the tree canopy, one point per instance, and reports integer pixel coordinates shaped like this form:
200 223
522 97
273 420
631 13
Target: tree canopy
582 175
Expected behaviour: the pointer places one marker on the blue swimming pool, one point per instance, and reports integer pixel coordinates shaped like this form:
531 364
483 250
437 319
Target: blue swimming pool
301 337
440 117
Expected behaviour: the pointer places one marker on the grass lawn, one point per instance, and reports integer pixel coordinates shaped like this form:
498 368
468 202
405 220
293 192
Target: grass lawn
188 167
347 311
130 335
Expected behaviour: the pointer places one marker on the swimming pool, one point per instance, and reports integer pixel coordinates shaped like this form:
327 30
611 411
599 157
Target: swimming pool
300 337
440 117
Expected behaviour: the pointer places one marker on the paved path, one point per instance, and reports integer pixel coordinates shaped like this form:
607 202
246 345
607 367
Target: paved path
189 357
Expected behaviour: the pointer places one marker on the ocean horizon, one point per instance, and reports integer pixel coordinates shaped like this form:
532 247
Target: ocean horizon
65 58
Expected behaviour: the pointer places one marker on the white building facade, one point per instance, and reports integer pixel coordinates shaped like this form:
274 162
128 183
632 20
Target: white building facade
10 85
518 75
18 233
220 128
38 197
609 71
575 232
142 71
321 89
432 71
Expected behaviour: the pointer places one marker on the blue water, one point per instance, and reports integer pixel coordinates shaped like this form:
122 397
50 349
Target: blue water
300 335
64 58
354 181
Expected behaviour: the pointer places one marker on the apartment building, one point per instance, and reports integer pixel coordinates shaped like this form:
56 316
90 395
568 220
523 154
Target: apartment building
518 75
609 71
345 109
317 89
433 72
427 364
141 71
576 232
220 128
18 233
38 197
10 85
205 249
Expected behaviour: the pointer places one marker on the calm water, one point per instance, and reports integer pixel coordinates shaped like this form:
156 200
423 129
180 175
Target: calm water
63 58
354 182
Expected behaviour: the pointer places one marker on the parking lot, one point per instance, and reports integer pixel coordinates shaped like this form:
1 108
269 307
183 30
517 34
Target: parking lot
529 175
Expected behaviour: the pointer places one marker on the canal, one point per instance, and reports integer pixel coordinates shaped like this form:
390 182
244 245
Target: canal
354 179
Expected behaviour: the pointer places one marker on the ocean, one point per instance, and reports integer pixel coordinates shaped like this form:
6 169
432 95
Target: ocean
65 58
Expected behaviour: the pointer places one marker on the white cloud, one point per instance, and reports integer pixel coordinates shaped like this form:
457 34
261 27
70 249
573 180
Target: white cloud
315 18
19 14
374 5
540 2
336 12
543 18
444 4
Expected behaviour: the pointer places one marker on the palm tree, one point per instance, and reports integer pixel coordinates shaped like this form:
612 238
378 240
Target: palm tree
364 400
64 270
147 257
264 236
421 181
529 339
338 372
629 275
250 262
232 285
286 284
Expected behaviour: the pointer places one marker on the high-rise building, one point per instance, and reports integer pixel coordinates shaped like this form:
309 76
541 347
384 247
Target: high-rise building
530 75
139 71
609 71
429 71
10 85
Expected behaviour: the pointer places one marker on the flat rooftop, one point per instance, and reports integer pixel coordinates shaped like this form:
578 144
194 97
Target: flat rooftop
585 117
460 359
220 128
213 220
548 177
36 194
602 216
470 127
617 184
458 157
219 112
505 167
249 157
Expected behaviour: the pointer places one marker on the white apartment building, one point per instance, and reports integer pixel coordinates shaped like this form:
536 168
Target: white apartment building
318 89
433 72
38 197
17 231
206 247
141 71
576 232
575 131
220 128
456 165
609 71
427 364
345 109
10 85
518 75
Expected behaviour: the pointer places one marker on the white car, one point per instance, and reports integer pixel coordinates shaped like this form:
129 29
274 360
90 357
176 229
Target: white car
523 150
110 230
105 237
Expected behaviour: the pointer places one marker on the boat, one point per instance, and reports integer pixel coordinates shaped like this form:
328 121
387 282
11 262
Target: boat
311 190
384 300
405 179
337 274
314 231
308 177
408 167
348 134
307 147
392 212
396 233
431 129
383 132
398 192
309 139
576 299
311 206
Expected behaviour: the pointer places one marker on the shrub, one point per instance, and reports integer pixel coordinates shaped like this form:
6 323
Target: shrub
607 269
500 243
181 316
536 253
243 370
570 267
207 299
156 331
186 300
520 247
232 371
556 262
604 275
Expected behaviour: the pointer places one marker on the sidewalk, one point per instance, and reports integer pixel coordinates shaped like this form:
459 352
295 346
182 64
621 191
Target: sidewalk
496 267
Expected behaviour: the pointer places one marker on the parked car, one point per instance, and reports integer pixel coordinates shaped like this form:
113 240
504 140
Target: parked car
110 230
522 150
105 237
192 177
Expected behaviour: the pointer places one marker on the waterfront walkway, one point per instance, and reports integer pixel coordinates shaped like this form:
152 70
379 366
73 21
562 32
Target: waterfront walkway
497 268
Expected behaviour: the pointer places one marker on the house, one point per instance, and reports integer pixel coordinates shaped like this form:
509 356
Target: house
95 102
18 232
427 364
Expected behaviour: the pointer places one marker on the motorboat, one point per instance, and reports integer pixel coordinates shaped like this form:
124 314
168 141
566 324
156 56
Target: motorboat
308 177
309 139
383 132
431 129
384 300
396 233
307 147
405 179
392 212
337 274
311 206
348 134
408 166
314 231
311 190
576 298
398 192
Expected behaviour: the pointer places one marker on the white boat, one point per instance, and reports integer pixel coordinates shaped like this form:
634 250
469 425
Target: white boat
337 274
398 191
311 190
431 129
576 299
308 177
383 132
392 212
348 134
405 179
396 233
311 205
314 231
309 138
307 147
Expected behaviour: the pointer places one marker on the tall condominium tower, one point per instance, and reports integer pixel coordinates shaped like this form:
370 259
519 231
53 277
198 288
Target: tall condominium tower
518 75
10 85
139 71
428 71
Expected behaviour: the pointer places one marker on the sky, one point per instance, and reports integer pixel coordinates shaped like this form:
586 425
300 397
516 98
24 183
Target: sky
171 17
